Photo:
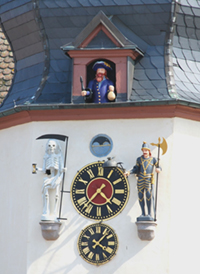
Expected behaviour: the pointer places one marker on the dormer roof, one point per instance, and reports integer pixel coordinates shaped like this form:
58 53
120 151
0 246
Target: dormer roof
101 33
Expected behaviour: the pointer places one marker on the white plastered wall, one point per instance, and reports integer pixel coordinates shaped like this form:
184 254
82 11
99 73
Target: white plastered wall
20 195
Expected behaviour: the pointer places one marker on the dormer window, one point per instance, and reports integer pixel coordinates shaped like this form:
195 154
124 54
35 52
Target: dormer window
101 40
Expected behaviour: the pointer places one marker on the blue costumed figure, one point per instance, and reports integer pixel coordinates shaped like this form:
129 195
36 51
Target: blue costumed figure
101 89
145 179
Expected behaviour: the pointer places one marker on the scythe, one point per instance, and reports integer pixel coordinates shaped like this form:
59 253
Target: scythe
64 139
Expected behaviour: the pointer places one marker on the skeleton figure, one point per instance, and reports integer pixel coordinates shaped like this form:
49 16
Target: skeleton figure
53 168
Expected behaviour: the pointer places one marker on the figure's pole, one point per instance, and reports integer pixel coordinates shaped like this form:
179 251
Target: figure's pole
156 196
61 197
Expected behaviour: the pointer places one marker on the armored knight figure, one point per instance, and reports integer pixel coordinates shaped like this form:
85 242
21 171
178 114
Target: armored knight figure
53 168
145 179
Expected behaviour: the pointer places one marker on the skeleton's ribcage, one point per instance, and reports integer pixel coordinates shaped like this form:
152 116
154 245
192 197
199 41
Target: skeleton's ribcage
52 162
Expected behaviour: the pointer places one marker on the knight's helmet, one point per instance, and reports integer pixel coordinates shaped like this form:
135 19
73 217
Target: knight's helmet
145 146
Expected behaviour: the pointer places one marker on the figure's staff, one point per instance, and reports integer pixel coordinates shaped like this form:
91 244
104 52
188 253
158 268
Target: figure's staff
164 149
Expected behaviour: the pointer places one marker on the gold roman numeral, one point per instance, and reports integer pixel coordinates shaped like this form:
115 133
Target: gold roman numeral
111 172
111 243
100 171
117 181
80 191
87 237
84 243
116 201
97 257
86 250
109 209
91 174
91 231
109 250
109 236
98 211
119 191
83 181
82 201
90 255
89 208
98 229
104 255
105 231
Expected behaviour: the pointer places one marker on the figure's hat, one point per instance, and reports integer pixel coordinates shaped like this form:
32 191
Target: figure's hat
101 64
145 146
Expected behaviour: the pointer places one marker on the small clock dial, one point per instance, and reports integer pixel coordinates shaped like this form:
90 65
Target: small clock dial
97 243
99 193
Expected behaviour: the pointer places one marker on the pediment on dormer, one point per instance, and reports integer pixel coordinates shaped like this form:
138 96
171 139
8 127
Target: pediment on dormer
100 34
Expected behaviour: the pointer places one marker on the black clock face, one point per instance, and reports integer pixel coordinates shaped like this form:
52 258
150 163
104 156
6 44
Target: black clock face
99 193
97 244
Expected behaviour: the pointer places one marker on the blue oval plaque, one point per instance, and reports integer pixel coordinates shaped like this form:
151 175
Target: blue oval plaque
101 145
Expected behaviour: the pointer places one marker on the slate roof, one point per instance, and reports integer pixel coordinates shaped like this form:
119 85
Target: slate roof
166 31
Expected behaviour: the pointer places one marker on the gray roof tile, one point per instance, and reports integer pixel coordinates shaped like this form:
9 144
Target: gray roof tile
194 45
140 75
30 61
181 20
96 3
159 84
12 13
196 11
196 55
187 10
188 54
178 53
161 72
146 62
22 30
193 4
189 21
179 74
147 84
181 31
157 61
192 66
191 32
152 74
9 5
183 65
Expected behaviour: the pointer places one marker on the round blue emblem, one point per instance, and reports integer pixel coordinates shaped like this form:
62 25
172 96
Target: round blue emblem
101 145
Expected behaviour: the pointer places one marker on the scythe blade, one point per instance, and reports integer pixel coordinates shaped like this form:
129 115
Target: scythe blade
53 136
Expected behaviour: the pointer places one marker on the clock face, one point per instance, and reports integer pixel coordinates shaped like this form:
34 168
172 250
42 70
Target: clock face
97 243
99 193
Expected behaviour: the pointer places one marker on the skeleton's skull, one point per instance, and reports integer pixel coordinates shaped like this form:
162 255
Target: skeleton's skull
52 146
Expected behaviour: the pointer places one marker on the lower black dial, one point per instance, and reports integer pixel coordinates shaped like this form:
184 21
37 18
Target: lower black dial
97 244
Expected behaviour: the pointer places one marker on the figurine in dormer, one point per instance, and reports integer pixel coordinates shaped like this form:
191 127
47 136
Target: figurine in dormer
145 179
53 167
101 89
